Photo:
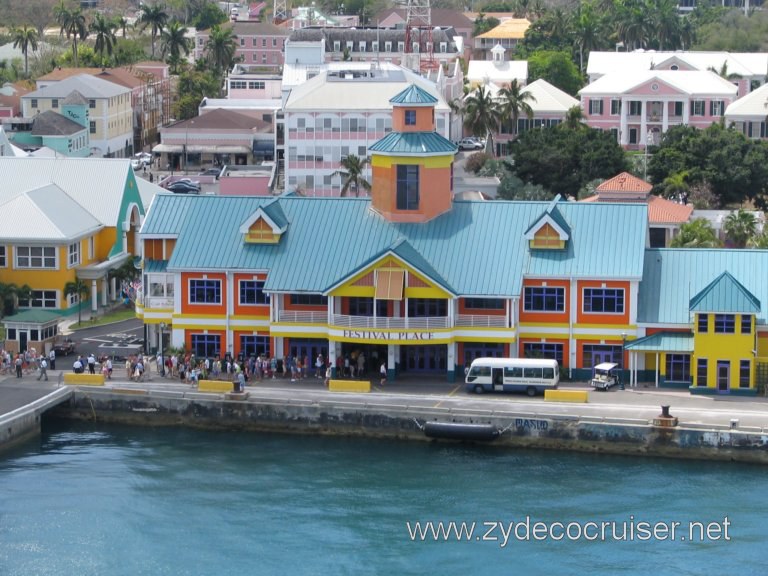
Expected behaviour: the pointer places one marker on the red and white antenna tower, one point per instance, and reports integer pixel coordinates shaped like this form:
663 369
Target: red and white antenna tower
418 29
279 11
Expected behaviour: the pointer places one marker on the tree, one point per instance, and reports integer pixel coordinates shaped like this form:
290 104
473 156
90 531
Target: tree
73 24
483 24
104 31
26 38
220 48
209 15
696 234
10 294
120 23
173 42
513 102
352 173
192 86
740 227
588 30
482 115
574 118
77 288
155 18
564 161
557 68
666 24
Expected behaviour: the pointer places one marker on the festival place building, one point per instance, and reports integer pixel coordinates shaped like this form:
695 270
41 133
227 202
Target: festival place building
412 278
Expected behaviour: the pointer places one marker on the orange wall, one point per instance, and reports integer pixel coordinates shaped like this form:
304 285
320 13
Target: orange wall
564 342
248 309
153 249
651 331
580 350
187 308
221 333
545 317
590 318
434 194
425 119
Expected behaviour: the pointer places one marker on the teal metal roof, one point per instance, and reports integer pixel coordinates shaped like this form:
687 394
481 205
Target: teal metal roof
476 248
414 143
33 317
673 276
725 294
275 212
155 266
663 342
553 213
414 95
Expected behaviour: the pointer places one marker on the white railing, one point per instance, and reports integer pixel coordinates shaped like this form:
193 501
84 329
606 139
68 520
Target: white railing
428 323
481 321
158 302
301 317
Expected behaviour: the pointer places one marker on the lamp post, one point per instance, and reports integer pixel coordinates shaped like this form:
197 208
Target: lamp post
648 142
623 349
162 362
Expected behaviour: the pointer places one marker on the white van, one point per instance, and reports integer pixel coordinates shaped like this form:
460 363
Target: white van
529 375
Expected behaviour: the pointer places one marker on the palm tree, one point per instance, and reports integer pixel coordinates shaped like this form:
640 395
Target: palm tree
574 118
173 42
120 23
723 72
633 26
676 185
352 173
105 35
514 102
588 31
220 48
696 234
482 115
741 227
666 23
26 38
78 288
154 16
10 294
72 24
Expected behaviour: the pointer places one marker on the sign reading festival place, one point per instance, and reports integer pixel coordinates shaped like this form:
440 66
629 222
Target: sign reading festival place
389 336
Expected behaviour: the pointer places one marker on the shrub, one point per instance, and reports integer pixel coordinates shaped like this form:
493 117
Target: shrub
476 162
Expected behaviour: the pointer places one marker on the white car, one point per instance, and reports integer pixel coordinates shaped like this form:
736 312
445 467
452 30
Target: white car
136 164
469 144
145 158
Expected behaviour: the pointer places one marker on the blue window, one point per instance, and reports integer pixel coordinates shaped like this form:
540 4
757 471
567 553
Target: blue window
703 321
679 367
745 369
484 303
252 292
701 372
474 350
364 307
426 307
252 345
550 351
544 299
309 300
407 187
604 300
410 117
746 324
206 345
725 323
205 291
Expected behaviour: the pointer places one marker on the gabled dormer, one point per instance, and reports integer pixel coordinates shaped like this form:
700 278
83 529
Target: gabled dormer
725 295
550 231
266 225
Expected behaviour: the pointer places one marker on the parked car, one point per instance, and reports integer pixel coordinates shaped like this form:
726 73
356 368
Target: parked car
63 346
470 144
145 158
136 164
211 172
605 376
184 186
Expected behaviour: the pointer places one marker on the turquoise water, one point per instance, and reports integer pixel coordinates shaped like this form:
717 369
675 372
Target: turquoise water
85 499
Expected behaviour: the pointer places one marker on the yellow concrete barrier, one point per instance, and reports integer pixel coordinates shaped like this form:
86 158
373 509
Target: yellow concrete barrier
84 379
566 395
215 386
349 386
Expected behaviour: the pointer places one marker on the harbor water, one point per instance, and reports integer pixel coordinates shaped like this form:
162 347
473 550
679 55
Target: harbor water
92 499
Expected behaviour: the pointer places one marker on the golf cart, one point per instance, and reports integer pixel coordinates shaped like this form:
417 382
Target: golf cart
605 375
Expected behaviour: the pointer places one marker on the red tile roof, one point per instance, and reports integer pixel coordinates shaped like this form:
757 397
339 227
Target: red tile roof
662 211
624 182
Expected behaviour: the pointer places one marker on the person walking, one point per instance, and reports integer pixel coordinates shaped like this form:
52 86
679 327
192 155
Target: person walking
18 363
52 359
43 369
383 373
91 364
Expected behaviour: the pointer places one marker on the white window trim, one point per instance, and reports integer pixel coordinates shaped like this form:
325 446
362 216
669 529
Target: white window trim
16 259
4 251
565 303
189 292
79 255
592 313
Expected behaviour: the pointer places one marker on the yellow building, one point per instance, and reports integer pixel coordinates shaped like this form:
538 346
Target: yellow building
67 219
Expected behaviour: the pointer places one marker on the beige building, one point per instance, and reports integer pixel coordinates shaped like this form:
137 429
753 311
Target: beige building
101 106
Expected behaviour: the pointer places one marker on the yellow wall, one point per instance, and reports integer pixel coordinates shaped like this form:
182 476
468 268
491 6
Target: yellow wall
723 347
348 289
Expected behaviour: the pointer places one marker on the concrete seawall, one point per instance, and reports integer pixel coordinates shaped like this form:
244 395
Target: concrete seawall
343 416
24 422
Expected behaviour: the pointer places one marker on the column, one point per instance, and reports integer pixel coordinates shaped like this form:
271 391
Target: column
664 117
451 361
113 288
279 351
623 132
94 296
644 123
334 350
104 291
390 362
686 112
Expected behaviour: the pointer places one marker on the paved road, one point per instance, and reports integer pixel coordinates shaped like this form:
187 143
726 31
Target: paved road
105 339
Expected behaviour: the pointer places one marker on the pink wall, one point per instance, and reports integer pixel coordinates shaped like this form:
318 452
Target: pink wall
256 185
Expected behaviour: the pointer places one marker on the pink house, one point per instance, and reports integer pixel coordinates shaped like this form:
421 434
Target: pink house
639 106
258 43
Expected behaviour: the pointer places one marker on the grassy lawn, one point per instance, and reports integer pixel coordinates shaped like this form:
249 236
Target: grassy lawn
115 316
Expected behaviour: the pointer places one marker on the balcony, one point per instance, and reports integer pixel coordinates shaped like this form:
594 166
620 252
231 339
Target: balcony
157 302
301 317
427 323
481 321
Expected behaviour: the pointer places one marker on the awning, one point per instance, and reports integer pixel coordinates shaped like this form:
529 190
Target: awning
674 342
160 148
389 284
